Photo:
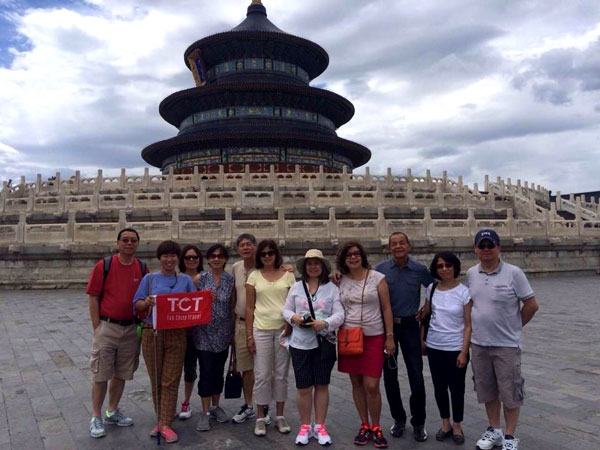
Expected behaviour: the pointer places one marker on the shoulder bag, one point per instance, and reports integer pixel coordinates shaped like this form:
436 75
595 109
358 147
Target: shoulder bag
233 381
350 340
425 321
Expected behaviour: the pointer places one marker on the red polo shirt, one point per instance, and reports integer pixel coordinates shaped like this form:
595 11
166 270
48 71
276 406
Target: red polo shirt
119 288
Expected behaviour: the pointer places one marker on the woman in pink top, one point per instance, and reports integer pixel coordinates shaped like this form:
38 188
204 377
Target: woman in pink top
366 299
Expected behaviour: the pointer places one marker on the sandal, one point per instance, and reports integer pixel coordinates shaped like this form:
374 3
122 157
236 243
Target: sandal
458 438
441 434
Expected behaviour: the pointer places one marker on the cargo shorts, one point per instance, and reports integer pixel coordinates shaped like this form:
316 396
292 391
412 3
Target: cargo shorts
497 373
115 352
244 359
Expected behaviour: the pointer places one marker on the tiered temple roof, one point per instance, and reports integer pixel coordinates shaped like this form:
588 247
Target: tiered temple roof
253 106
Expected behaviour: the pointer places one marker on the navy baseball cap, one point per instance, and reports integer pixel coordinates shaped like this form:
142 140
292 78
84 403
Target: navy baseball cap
490 235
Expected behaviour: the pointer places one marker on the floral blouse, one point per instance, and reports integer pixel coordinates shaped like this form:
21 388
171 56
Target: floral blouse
217 335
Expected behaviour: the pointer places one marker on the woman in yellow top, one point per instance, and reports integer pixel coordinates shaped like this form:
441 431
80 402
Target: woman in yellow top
266 291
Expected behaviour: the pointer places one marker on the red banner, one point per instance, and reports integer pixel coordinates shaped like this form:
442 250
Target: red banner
182 310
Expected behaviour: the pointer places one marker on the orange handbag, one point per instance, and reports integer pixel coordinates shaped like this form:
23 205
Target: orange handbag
350 340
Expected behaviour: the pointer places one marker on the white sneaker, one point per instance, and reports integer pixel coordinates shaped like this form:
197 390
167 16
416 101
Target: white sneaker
246 412
260 429
490 439
304 434
186 411
282 425
320 434
511 444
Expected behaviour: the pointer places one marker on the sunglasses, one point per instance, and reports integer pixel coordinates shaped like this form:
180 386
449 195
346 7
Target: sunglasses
486 246
216 256
353 255
267 254
444 266
191 257
129 240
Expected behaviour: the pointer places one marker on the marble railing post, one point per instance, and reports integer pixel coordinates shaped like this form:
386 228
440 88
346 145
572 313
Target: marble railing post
368 175
389 177
460 183
99 180
332 225
123 179
346 194
410 194
475 188
382 228
345 177
228 228
445 180
122 219
202 196
166 201
30 201
246 176
71 226
146 179
547 222
491 199
277 194
427 223
38 183
195 177
62 201
486 183
175 224
77 186
129 197
439 193
281 226
21 228
3 196
428 178
272 176
57 182
471 223
321 177
510 221
312 195
170 178
239 195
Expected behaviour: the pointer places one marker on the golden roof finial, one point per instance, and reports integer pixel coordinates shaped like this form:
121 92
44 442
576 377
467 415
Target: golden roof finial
256 2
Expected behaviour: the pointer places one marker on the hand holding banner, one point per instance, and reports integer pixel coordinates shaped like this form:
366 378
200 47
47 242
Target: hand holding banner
186 309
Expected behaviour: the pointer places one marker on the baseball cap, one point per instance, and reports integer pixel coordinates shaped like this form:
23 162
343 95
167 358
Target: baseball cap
490 235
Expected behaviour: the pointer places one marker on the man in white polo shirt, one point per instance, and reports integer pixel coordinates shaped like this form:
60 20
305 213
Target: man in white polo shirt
498 289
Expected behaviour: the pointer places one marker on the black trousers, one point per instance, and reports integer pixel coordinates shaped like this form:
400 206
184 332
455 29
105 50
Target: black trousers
447 376
212 367
407 338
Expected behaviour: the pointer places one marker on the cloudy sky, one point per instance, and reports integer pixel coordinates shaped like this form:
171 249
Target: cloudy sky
474 87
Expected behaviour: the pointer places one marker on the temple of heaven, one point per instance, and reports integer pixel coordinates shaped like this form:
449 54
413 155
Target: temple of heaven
253 107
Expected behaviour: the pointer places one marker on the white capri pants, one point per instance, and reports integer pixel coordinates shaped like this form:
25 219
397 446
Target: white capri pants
271 367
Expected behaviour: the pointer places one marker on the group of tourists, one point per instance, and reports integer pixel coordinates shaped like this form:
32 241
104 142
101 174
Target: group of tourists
359 315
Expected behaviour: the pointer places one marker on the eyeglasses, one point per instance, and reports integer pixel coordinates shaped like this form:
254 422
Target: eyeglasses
191 257
488 246
444 266
216 256
127 240
267 253
353 255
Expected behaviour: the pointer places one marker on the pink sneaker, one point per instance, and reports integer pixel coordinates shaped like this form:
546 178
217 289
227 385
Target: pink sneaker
304 435
169 435
154 431
320 434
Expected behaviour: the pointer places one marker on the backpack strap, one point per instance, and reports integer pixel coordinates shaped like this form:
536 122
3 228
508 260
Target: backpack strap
106 261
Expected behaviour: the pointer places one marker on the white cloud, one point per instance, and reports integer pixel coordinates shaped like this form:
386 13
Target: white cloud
469 87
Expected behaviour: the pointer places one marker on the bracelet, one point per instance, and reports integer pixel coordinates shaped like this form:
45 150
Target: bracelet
389 334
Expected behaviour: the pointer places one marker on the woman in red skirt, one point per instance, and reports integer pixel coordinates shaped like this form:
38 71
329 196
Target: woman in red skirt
366 299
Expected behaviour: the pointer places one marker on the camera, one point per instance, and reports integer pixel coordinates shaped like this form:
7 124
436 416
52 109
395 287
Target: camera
306 319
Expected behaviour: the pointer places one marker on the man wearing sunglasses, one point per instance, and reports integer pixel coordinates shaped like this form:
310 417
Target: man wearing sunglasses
498 289
116 346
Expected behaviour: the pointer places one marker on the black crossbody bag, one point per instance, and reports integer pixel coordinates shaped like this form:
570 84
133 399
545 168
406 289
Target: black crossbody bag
427 319
326 348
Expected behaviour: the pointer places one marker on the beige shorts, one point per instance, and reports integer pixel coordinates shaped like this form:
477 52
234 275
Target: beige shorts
497 372
245 359
115 352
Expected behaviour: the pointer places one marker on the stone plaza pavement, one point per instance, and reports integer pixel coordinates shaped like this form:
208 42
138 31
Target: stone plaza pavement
45 339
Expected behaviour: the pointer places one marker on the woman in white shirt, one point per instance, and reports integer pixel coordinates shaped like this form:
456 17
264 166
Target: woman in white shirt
447 342
314 310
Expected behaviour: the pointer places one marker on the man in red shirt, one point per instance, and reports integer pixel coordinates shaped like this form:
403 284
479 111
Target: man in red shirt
116 346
